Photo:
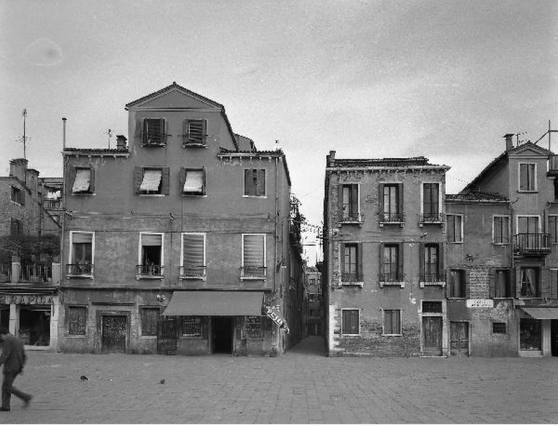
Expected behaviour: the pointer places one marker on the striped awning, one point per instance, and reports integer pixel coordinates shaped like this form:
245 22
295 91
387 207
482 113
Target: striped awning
82 180
151 180
541 313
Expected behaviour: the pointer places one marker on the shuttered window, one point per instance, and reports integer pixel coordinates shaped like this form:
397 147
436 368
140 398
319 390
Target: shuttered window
253 255
501 230
527 177
77 320
195 132
154 132
254 182
194 182
350 322
150 320
431 199
193 255
455 228
392 322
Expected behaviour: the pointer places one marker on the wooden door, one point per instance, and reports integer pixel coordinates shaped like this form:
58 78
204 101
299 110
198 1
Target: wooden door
167 335
432 336
113 336
459 338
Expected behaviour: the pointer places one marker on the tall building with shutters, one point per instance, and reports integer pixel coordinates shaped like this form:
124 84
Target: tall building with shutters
181 240
384 248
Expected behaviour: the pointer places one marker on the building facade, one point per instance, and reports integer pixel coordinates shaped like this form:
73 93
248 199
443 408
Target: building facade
180 240
384 248
314 315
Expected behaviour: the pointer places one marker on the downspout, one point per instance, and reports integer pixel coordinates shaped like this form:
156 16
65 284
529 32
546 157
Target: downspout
276 225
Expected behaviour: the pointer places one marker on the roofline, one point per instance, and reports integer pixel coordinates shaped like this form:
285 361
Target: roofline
270 154
387 167
173 85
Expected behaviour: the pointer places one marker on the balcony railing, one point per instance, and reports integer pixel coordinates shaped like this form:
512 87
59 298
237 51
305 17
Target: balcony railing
188 272
531 243
149 270
50 204
390 277
431 218
36 273
80 269
351 277
351 217
433 277
253 272
397 217
552 165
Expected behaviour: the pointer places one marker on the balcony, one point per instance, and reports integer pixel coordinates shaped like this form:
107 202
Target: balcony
531 244
188 272
51 204
432 279
253 272
552 166
391 279
351 218
149 271
431 218
80 270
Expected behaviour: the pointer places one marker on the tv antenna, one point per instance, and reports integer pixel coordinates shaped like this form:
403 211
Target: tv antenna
24 139
109 134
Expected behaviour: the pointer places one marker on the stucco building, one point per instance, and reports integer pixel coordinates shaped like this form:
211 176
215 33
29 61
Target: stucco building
181 239
314 314
384 248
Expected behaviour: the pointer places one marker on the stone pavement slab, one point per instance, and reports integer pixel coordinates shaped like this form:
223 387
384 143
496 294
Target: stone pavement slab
302 386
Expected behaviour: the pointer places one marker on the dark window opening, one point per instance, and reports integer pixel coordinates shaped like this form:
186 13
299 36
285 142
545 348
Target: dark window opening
498 328
431 306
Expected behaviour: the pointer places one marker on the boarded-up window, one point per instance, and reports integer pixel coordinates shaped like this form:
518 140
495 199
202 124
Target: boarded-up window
501 230
350 322
77 320
392 322
154 132
254 182
193 260
150 320
192 326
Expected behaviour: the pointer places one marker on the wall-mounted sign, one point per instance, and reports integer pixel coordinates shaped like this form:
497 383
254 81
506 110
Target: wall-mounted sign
480 303
277 317
26 299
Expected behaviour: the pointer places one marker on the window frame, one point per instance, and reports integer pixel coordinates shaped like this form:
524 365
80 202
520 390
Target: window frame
431 217
462 283
494 227
184 176
187 142
162 133
538 281
425 276
183 274
398 264
346 276
142 322
74 175
263 275
350 216
535 180
17 195
71 253
139 173
500 328
140 274
508 283
384 322
343 310
198 322
457 236
393 215
553 229
245 193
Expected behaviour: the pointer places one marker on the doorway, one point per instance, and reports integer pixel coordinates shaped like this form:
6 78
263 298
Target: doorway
113 335
223 328
432 336
459 338
34 325
554 337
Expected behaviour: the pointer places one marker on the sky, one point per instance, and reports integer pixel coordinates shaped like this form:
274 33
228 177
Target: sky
368 79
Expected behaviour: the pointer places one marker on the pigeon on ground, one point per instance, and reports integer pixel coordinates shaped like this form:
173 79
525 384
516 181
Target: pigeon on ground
162 381
84 378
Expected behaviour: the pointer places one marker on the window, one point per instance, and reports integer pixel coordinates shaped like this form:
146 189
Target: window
152 181
455 228
351 263
16 227
84 180
151 255
350 322
192 181
431 263
192 326
457 284
81 254
195 133
391 264
553 228
254 182
527 177
253 256
431 202
391 203
349 202
18 196
154 134
502 283
529 280
501 229
528 224
150 320
392 322
193 256
432 306
498 327
77 320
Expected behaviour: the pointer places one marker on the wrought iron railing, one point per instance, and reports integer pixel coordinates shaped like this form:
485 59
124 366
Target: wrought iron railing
80 269
390 277
155 270
531 243
431 218
397 217
433 277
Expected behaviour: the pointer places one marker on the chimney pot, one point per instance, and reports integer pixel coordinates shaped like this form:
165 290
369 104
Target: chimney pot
509 141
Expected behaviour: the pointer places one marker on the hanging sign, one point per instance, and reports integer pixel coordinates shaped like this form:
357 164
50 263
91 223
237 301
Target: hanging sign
277 317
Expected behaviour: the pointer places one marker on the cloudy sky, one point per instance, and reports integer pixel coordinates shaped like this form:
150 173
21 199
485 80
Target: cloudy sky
443 79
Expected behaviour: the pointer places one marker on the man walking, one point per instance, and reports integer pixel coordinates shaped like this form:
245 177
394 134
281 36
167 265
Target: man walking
13 358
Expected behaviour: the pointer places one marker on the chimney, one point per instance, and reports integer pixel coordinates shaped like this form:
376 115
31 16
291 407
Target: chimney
121 143
330 158
509 141
18 168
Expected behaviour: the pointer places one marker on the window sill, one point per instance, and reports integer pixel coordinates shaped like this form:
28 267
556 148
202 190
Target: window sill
75 336
255 196
351 335
80 276
194 145
148 337
253 277
392 223
435 223
392 334
204 278
194 195
399 284
359 284
456 242
457 298
82 193
349 222
147 277
154 195
423 284
153 145
527 191
500 244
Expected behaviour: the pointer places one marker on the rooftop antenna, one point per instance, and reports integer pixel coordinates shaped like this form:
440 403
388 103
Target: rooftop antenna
109 134
24 139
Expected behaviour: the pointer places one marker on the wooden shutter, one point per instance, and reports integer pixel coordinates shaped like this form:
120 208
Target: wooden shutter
400 263
440 268
151 239
165 187
340 202
354 201
182 178
193 251
381 201
204 181
261 182
248 183
400 201
254 251
544 283
138 178
381 254
163 131
204 131
92 180
492 282
467 276
145 131
421 261
359 248
72 178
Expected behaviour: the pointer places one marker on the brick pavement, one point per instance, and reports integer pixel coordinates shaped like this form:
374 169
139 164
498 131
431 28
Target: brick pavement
301 386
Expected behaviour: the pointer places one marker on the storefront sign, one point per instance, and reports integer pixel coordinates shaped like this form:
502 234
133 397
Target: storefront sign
26 299
276 316
480 303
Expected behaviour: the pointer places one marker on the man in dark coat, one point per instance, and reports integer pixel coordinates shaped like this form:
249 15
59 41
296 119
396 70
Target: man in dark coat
13 358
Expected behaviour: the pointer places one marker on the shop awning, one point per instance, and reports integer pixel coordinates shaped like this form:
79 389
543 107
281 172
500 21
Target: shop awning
541 313
215 303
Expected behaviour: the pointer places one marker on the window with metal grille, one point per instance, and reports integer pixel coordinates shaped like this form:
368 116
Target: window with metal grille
77 319
192 326
150 320
253 327
350 322
431 306
499 327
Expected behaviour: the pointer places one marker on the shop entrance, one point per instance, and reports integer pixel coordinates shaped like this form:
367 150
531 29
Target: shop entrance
554 337
5 316
222 329
34 325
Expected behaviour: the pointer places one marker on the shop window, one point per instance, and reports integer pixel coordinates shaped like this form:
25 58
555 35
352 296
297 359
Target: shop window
501 230
392 322
77 320
530 284
499 327
253 327
81 254
18 196
254 182
150 320
192 326
253 256
192 181
530 335
457 284
194 133
350 322
151 255
154 132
